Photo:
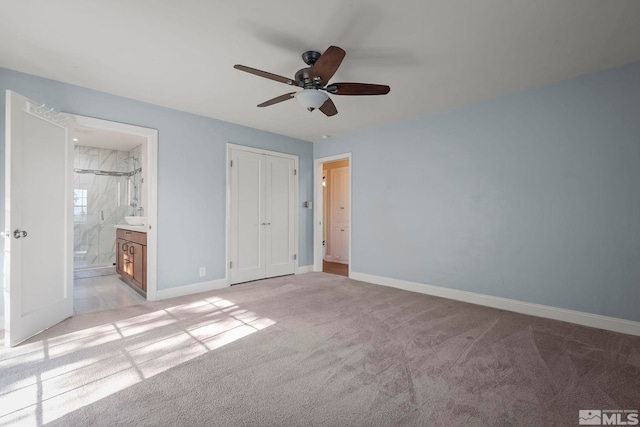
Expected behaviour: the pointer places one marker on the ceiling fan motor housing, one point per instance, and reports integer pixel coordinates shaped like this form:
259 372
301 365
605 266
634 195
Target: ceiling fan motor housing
303 76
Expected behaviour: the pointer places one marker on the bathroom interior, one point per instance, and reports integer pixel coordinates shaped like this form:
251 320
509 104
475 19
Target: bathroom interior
109 197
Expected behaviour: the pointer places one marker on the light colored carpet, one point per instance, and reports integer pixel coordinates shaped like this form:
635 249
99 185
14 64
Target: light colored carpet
315 350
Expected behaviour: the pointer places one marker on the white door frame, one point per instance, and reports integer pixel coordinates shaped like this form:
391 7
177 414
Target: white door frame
151 175
319 204
296 197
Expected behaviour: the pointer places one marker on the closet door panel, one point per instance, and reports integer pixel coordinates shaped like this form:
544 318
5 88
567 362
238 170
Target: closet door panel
247 215
335 244
280 211
340 186
339 215
344 244
344 194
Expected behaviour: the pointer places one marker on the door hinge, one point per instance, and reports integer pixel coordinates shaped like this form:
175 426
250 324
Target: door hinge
231 164
295 257
295 171
230 264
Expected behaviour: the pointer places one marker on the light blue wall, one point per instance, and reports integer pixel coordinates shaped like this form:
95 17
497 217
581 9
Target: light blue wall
191 173
533 196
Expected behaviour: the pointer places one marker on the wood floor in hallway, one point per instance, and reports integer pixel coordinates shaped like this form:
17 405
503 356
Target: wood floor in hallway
335 268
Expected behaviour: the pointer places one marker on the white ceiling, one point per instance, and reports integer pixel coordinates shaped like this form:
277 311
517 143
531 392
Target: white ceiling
435 54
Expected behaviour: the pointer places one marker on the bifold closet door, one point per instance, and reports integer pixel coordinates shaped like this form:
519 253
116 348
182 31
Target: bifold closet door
247 243
279 216
262 216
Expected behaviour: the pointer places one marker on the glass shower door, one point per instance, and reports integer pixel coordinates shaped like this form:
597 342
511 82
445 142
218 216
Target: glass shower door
97 209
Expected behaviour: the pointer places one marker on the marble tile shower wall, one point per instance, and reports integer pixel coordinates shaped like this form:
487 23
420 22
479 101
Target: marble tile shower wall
135 162
106 204
135 153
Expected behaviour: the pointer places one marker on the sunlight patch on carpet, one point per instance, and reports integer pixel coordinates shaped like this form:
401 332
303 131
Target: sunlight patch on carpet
43 380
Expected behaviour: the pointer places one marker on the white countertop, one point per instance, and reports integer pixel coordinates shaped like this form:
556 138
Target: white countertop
140 228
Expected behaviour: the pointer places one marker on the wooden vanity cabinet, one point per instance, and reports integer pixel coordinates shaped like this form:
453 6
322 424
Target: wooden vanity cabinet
131 259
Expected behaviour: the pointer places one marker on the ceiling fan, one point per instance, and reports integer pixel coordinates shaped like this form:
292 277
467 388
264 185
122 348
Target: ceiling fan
314 80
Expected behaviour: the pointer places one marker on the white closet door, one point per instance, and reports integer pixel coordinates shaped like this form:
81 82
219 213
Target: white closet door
279 214
339 200
344 244
262 216
334 250
247 240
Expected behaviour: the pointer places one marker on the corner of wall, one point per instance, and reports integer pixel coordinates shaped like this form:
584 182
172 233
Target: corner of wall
304 269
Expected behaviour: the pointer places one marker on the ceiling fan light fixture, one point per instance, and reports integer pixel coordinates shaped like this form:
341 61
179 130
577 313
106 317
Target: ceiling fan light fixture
311 99
314 79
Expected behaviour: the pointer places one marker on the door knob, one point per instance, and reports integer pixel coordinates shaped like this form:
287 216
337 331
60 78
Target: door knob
19 233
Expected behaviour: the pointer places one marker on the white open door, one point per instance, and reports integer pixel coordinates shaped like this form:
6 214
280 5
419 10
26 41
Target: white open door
38 269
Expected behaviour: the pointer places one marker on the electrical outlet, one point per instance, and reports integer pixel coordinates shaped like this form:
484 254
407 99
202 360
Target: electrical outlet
203 271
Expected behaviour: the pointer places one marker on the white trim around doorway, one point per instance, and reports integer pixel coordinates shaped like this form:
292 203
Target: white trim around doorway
318 204
150 147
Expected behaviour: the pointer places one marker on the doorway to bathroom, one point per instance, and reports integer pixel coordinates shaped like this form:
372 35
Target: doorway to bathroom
112 195
107 186
332 215
40 214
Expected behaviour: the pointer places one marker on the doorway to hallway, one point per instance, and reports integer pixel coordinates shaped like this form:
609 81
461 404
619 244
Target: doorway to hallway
332 216
336 227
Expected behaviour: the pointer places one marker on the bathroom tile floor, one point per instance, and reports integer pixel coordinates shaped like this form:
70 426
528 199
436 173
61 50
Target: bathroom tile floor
102 293
94 272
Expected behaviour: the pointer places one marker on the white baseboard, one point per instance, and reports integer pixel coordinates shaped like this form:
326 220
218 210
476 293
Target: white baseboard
195 288
211 285
581 318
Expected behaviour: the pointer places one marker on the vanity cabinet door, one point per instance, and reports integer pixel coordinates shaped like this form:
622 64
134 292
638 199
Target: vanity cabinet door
136 257
121 252
131 261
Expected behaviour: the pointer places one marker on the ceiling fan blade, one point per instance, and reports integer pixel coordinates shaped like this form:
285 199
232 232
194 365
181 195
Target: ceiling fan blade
358 89
328 63
277 99
264 74
329 108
